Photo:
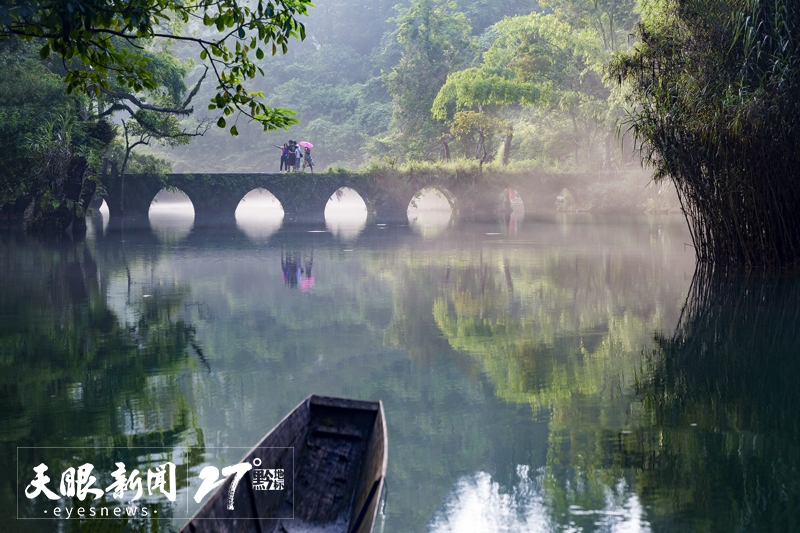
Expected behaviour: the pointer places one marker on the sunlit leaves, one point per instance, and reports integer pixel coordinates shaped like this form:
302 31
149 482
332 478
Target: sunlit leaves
481 86
613 19
538 47
465 122
532 60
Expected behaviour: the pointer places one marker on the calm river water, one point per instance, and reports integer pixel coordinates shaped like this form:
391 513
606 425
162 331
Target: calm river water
537 375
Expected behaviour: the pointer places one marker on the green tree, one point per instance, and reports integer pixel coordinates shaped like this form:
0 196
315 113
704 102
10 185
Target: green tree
61 139
487 90
536 60
105 43
436 41
65 181
612 19
565 63
153 116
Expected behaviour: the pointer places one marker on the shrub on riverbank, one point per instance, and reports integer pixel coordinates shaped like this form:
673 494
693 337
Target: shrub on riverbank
47 179
30 95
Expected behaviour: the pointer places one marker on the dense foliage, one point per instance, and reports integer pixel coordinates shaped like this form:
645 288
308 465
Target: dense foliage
29 95
365 81
76 374
106 43
535 60
727 371
47 149
717 87
56 144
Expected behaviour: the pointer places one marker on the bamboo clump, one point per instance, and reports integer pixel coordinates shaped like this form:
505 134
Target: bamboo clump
715 88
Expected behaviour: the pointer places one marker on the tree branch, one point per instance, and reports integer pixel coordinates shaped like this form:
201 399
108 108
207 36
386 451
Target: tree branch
115 107
196 88
141 105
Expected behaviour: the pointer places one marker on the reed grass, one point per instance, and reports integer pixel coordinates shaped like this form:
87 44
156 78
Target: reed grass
715 92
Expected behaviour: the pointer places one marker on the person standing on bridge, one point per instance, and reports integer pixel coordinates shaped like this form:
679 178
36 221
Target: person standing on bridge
284 155
291 157
298 157
307 161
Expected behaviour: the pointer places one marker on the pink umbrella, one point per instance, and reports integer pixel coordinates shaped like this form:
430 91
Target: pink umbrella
306 144
307 284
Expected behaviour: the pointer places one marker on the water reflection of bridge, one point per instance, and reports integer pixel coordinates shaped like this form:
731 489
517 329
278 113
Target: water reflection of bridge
175 225
305 196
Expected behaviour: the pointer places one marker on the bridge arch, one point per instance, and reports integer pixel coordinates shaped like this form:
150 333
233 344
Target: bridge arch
346 213
437 192
259 214
171 201
346 198
171 215
366 195
259 203
431 211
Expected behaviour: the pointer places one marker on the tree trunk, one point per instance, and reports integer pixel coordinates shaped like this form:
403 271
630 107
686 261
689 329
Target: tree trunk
607 147
575 133
507 146
611 30
603 34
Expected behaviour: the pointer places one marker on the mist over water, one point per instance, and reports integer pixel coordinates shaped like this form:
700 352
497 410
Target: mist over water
465 335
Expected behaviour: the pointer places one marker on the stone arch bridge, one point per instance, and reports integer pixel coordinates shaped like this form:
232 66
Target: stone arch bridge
472 196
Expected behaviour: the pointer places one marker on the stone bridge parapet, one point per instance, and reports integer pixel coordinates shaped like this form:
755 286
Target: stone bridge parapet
472 195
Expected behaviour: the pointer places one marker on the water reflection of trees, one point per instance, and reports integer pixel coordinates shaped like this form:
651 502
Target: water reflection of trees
562 333
709 439
475 331
567 328
568 342
731 368
73 374
700 427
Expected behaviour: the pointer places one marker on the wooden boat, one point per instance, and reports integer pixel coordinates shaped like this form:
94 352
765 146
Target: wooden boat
333 456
